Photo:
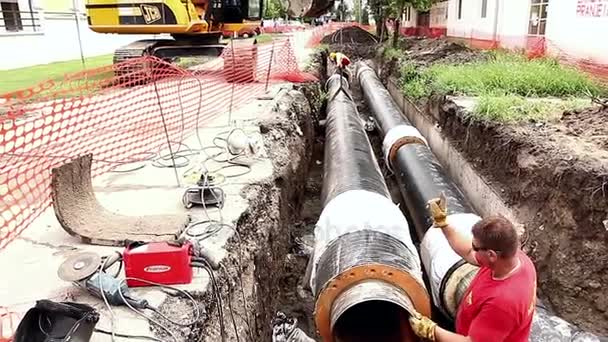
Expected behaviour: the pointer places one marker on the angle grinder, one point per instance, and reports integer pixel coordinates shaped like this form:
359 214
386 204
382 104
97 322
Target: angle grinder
87 270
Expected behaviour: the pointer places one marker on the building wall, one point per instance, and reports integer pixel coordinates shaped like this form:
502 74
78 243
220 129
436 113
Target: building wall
439 15
511 28
471 23
56 36
513 23
412 22
577 28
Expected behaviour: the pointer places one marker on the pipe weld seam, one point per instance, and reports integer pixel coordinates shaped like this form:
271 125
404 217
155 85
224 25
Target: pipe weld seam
398 137
364 68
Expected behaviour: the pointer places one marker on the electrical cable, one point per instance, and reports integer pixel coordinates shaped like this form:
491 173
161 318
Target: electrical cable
67 335
166 131
240 259
205 265
135 337
236 330
141 313
105 300
214 225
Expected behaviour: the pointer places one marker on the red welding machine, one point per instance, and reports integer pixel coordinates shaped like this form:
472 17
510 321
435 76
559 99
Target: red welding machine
160 262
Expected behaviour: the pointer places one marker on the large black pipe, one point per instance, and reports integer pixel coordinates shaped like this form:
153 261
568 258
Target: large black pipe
364 264
422 178
420 175
349 161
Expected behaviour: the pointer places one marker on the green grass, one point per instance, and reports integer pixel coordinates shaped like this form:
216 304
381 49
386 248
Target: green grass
264 38
21 78
514 108
511 74
502 84
391 53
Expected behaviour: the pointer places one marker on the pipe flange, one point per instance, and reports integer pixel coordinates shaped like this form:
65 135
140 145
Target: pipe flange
398 137
455 286
401 279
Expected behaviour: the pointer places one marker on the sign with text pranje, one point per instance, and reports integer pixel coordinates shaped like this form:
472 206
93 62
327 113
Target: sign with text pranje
592 8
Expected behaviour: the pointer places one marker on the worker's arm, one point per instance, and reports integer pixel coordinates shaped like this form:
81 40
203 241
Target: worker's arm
428 330
491 324
460 243
442 335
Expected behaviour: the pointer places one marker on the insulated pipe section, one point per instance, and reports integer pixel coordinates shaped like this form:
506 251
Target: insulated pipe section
421 178
366 274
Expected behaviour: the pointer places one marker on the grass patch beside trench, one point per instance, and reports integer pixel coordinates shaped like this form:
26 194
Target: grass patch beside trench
16 79
502 85
512 74
514 108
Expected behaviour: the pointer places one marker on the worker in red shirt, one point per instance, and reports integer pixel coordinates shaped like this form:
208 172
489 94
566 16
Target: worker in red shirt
499 304
340 59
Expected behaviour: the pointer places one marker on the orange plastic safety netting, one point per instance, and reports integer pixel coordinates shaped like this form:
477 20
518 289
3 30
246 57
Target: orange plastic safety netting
8 324
121 113
533 46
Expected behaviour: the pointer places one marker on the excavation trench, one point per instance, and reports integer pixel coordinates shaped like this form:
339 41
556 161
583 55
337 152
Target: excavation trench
266 265
277 240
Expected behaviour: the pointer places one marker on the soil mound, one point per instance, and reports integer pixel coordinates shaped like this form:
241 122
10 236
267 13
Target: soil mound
350 35
589 123
424 51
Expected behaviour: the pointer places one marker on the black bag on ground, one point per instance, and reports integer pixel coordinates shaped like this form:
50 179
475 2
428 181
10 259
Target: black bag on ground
50 321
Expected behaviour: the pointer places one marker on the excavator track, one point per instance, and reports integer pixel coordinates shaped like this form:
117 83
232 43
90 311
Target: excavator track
131 74
207 44
135 49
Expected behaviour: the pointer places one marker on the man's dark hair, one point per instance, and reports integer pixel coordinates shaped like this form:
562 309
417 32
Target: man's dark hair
498 234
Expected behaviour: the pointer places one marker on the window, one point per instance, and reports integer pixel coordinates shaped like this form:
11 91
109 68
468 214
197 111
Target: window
408 14
538 17
484 8
459 9
11 16
254 9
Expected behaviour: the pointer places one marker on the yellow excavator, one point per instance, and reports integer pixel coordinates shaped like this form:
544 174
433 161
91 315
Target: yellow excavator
196 26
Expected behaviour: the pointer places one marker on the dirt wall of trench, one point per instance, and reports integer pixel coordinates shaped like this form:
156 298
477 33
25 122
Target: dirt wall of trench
266 228
558 188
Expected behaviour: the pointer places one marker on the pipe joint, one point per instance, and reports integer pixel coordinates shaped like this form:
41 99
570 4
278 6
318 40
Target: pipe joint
398 137
439 260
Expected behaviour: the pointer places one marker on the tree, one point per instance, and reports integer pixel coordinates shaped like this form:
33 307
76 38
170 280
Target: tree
379 10
365 16
341 11
397 8
274 9
357 10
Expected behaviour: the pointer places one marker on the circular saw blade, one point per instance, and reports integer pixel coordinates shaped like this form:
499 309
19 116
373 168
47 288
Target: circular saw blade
79 266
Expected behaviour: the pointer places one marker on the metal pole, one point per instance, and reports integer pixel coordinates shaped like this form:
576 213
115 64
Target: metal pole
496 12
75 9
29 2
269 66
233 82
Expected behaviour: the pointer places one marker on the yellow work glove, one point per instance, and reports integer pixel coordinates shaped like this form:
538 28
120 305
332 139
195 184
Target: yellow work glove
422 326
438 208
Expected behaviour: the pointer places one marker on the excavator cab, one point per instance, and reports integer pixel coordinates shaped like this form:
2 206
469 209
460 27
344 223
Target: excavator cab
238 17
196 26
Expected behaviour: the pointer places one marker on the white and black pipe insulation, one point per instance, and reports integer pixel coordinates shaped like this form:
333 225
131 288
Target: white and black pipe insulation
366 274
421 178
